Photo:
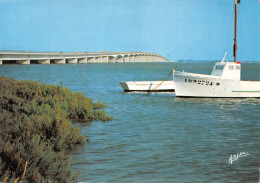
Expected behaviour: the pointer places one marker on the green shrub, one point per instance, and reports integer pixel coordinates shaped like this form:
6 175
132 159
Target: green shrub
35 126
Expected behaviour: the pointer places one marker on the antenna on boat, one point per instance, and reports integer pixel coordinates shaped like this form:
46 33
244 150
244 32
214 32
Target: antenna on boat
224 58
235 39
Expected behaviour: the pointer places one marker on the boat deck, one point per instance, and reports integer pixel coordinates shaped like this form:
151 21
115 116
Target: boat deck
147 86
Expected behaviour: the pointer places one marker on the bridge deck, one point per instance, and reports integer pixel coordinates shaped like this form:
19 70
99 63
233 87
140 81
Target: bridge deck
15 57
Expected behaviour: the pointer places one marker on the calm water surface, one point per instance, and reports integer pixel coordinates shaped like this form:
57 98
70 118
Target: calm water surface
158 138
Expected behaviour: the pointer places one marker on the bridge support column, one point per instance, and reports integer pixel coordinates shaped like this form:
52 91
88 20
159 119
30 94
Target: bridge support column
98 59
60 61
72 60
23 62
140 58
151 58
45 61
104 59
112 59
120 59
132 58
126 58
1 62
91 60
83 60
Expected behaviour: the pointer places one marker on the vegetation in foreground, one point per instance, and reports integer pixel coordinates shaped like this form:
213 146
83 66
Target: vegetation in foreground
36 126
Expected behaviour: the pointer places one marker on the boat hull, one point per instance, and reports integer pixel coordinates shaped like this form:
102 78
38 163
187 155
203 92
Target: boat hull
146 86
208 86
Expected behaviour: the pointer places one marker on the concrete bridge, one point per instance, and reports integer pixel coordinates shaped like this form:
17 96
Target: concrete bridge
13 57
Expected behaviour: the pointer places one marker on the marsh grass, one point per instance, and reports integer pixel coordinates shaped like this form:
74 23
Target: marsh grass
36 127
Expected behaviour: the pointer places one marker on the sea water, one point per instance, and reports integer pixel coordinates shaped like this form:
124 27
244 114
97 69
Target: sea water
158 138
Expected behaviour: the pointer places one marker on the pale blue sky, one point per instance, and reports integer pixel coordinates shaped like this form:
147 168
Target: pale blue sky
176 29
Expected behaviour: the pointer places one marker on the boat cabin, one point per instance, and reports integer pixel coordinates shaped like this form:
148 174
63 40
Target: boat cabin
227 70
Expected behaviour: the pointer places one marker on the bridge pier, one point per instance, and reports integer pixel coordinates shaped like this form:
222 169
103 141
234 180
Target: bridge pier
1 62
59 61
104 59
149 58
98 59
91 59
120 59
112 59
45 61
83 60
72 60
126 58
139 58
23 62
131 58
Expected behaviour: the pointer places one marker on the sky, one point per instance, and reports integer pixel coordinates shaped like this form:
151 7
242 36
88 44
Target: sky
176 29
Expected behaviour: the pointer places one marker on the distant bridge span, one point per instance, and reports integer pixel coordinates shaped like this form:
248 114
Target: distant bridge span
16 57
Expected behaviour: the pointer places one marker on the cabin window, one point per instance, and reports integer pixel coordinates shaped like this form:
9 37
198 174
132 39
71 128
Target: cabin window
237 67
230 67
219 67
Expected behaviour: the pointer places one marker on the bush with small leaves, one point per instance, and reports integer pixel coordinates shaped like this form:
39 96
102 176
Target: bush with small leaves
36 126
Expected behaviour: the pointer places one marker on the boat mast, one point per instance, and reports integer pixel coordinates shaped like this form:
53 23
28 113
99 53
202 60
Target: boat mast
235 39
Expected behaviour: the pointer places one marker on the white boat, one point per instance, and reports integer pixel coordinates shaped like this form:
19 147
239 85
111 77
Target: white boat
147 86
224 81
